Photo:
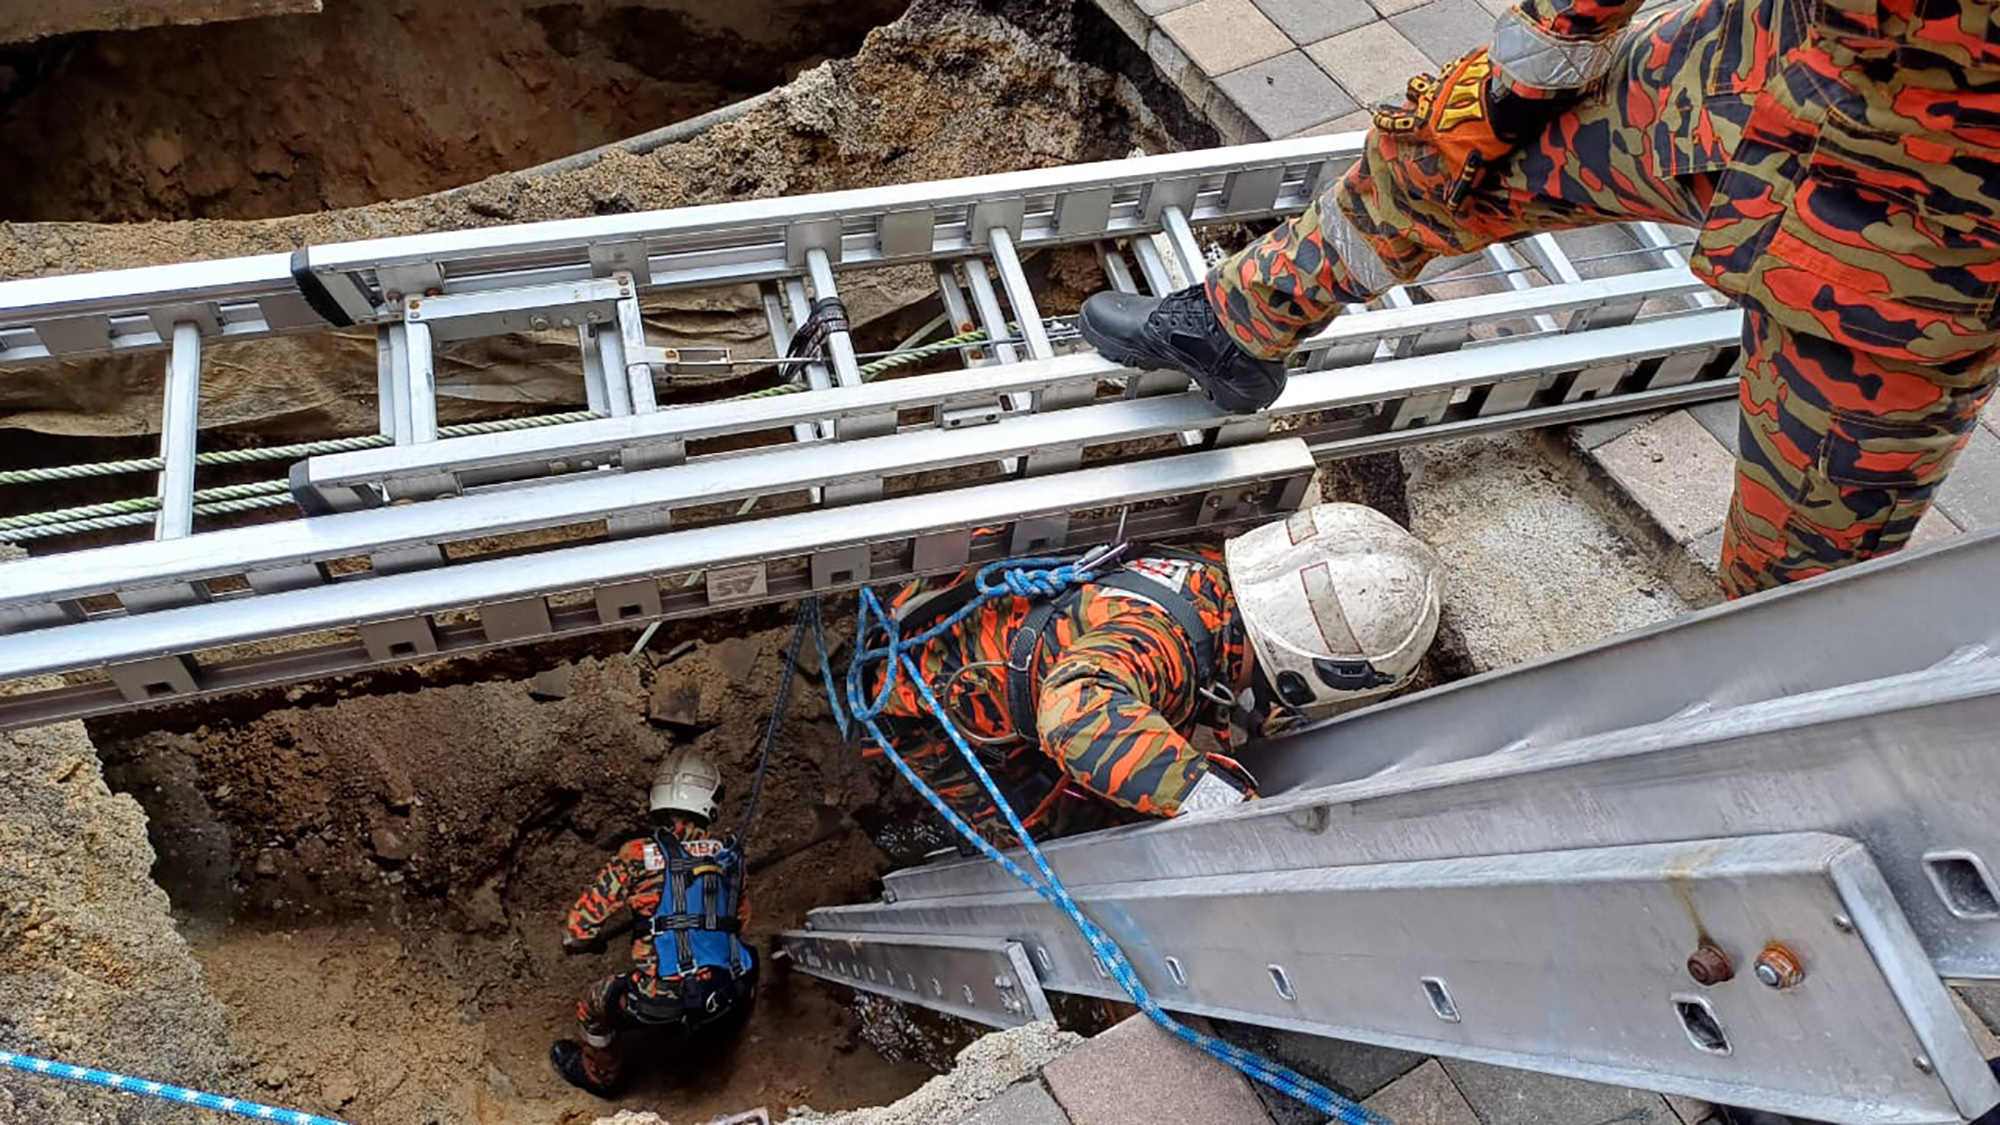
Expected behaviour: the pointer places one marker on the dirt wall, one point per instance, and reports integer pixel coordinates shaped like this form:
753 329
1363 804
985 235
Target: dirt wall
947 90
392 870
36 19
380 99
90 966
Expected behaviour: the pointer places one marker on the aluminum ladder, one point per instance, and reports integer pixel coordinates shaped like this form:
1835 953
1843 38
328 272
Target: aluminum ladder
428 545
1549 867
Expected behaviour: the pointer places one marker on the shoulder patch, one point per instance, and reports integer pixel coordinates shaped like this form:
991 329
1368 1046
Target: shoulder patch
1171 573
654 860
702 848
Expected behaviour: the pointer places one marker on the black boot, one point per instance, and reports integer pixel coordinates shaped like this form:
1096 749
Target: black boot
1179 332
566 1055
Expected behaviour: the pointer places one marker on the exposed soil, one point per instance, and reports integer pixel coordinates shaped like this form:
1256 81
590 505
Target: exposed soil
371 873
392 870
377 99
948 90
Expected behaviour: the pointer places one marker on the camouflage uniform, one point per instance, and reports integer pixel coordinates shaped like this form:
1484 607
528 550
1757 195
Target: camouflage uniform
1841 159
1115 697
638 997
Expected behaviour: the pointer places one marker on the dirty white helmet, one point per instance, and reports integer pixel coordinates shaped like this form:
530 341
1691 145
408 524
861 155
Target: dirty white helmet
687 782
1338 601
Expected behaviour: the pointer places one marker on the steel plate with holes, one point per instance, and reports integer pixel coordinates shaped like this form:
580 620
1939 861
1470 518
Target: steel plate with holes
1571 963
978 979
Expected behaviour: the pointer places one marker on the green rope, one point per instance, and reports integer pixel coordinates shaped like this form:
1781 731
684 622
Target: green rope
139 505
277 452
270 494
139 519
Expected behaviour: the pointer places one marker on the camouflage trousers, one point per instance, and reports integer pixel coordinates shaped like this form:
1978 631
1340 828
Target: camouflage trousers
1864 361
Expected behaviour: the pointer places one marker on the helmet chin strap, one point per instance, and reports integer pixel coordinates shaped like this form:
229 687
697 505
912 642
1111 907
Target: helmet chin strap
1255 709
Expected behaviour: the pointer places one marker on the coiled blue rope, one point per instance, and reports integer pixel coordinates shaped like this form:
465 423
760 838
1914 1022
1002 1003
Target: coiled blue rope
125 1083
1029 578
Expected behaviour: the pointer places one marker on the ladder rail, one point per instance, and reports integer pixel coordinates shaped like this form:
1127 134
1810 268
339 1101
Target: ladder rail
151 657
119 312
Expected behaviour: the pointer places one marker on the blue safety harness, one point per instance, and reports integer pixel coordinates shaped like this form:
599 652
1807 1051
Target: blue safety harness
694 928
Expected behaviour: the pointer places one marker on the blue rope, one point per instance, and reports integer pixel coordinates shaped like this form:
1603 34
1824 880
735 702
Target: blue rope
125 1083
1027 578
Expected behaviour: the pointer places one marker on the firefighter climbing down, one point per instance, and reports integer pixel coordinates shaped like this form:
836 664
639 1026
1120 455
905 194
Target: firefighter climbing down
1086 707
691 974
1837 159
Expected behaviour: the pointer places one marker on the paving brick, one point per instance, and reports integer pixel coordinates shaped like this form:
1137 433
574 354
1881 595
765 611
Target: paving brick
1309 21
1130 18
1690 1111
1983 1001
1373 63
1025 1103
1983 1037
1446 29
1353 1070
1497 7
1517 1097
1387 8
1934 526
1179 70
1590 435
1224 35
1723 419
1674 470
1707 551
1971 495
1161 7
1285 95
1425 1096
1357 122
1136 1074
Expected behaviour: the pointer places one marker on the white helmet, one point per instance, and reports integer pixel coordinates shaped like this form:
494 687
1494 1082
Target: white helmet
687 782
1338 601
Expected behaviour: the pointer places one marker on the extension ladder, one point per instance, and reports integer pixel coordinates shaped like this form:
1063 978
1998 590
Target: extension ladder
1733 863
430 544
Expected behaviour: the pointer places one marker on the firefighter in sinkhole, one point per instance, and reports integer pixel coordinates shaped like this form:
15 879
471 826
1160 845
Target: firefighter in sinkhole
1088 708
682 885
1840 160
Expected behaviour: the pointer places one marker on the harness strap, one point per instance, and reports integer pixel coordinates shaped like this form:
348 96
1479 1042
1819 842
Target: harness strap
654 926
1034 637
678 867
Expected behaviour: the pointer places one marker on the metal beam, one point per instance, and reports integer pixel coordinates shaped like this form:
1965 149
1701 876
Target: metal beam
978 979
1571 963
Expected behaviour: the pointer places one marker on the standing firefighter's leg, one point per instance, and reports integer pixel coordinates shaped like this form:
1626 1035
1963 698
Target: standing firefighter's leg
593 1064
1824 478
1232 332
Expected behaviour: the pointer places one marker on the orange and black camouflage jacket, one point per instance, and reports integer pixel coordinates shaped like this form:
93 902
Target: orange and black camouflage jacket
1848 153
632 880
1115 697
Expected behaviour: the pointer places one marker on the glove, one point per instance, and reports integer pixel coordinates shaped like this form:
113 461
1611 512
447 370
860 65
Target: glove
573 947
1450 129
1216 788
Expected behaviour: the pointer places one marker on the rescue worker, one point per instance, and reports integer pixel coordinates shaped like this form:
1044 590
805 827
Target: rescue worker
1841 160
1085 707
683 888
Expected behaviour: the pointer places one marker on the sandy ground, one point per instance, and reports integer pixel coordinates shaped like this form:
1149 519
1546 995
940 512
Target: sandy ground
391 871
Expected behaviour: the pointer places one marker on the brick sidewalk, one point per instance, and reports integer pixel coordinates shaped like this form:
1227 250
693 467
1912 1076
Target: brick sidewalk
1264 69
